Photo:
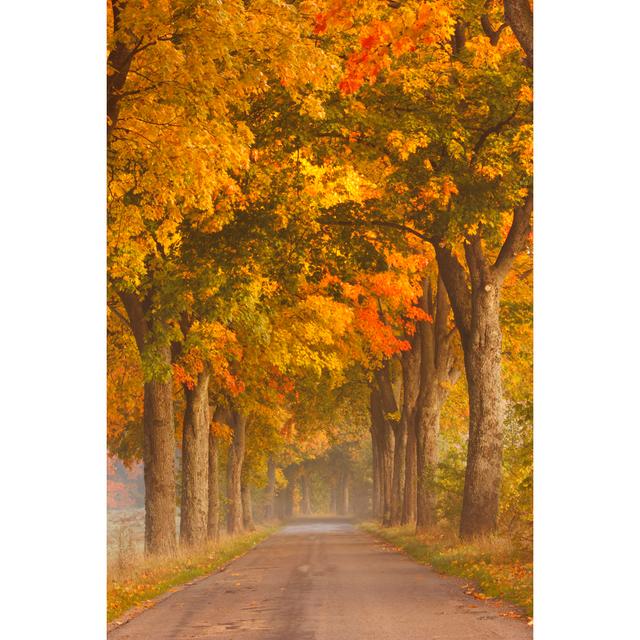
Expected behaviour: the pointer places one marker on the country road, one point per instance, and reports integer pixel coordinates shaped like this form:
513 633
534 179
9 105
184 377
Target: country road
324 580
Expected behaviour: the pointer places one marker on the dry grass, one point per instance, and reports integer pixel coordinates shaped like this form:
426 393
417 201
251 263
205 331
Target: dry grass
134 578
497 566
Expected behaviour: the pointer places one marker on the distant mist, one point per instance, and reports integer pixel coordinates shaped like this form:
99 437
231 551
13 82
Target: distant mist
125 487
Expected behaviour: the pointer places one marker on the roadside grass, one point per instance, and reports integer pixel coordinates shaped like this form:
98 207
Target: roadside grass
134 578
494 564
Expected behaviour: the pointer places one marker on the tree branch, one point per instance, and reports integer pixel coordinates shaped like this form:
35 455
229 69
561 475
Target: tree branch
137 321
514 242
119 315
519 16
375 223
492 34
454 277
383 378
443 307
459 38
496 128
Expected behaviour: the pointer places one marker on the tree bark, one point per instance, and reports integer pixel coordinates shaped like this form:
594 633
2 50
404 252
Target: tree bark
292 473
519 16
159 466
384 445
402 471
475 298
376 510
195 463
484 381
305 506
270 494
238 423
437 371
410 498
427 460
247 507
281 507
213 512
390 408
398 477
118 63
342 493
159 438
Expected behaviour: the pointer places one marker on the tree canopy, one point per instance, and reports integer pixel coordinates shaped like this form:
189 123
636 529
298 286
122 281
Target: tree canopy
319 217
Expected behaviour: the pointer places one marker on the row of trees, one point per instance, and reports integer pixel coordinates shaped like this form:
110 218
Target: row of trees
313 210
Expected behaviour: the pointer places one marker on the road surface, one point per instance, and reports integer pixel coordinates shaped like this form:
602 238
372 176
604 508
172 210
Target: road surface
323 580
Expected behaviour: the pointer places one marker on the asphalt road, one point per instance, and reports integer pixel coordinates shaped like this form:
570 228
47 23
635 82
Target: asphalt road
324 580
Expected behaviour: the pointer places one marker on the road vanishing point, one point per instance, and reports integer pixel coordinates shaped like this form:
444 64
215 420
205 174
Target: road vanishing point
323 579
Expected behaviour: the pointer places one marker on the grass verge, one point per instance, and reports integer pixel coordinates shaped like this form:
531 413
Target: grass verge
496 567
134 578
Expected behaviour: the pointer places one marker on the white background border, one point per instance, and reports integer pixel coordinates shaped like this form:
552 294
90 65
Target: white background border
52 361
587 230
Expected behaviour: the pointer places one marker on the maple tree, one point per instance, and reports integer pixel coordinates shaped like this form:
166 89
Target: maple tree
446 114
179 73
313 229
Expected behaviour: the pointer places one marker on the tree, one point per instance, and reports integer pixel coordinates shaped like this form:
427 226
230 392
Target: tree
247 507
383 445
300 222
457 152
237 421
195 463
437 373
410 391
476 307
180 75
213 489
270 507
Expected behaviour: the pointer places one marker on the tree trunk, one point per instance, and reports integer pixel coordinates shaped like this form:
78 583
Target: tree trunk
213 515
118 63
484 454
410 497
384 444
195 463
399 460
437 372
389 407
247 507
427 461
159 465
381 477
159 446
270 494
305 506
427 423
518 15
410 361
234 472
376 510
475 298
291 503
342 493
281 506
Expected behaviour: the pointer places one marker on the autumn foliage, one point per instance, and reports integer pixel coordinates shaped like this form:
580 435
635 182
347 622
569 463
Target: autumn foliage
317 212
